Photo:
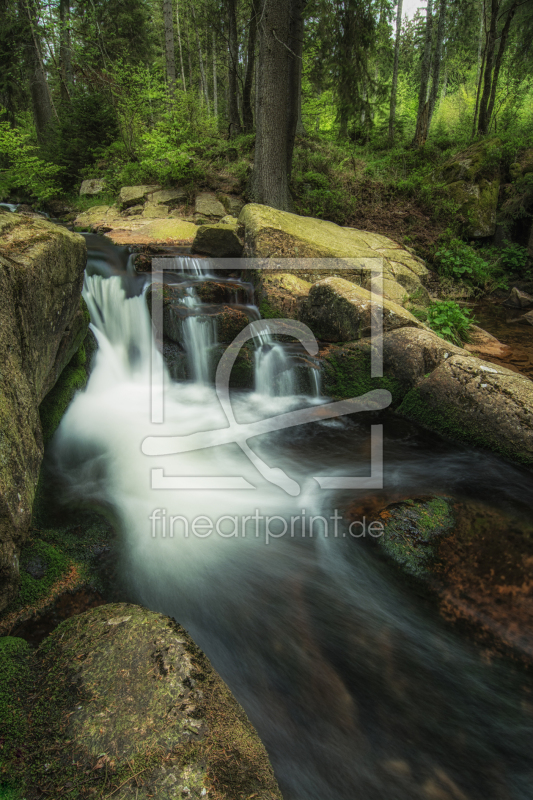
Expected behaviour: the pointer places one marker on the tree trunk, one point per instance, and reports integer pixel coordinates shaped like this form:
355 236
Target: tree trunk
179 45
394 90
247 114
169 44
203 79
295 54
483 122
422 118
437 62
499 58
234 118
43 107
276 124
64 50
215 84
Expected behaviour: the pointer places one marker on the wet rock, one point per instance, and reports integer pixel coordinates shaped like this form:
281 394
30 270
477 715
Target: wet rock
42 325
220 241
339 311
518 299
473 182
281 294
485 345
475 401
234 205
207 205
230 322
277 234
36 567
134 696
92 186
133 195
411 530
526 319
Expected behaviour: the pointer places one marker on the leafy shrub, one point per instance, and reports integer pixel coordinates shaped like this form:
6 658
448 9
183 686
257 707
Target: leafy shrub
460 261
513 258
450 321
22 169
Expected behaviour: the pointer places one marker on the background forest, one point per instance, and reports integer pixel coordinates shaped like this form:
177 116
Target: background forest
165 91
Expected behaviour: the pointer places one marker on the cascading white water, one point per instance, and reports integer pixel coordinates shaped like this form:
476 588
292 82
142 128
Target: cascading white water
274 376
199 339
333 662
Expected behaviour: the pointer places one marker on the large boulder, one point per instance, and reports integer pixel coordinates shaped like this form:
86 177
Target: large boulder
42 326
125 704
220 240
337 310
278 234
131 195
477 402
208 206
168 197
473 181
92 186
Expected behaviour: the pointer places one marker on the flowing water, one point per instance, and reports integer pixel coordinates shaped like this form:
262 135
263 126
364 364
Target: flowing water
356 687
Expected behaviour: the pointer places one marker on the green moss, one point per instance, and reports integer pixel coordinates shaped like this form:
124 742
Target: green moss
269 312
347 373
56 402
450 422
48 557
15 677
411 534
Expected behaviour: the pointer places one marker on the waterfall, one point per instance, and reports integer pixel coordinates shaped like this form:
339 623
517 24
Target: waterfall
199 339
355 689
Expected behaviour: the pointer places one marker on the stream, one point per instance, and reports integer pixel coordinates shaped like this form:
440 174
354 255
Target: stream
356 686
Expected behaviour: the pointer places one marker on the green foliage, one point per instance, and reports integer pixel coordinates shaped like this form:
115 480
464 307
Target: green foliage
514 258
22 169
86 126
449 320
461 262
15 676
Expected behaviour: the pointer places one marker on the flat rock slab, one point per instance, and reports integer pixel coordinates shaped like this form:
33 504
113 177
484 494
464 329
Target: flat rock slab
168 197
207 205
137 229
131 195
92 186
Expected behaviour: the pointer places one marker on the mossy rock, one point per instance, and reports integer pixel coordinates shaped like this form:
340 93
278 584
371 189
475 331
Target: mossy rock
411 533
281 295
230 322
346 373
15 683
219 241
72 379
126 704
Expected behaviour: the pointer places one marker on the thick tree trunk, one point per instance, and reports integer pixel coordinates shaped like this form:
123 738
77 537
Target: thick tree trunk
234 118
394 90
296 34
247 114
422 118
499 58
437 61
65 61
179 45
483 122
276 124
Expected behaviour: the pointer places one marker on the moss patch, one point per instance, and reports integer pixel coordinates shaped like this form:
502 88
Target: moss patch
15 679
411 533
347 373
56 402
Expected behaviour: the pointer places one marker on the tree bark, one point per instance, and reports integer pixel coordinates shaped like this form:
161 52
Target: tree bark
179 45
489 64
422 118
215 83
169 44
247 114
394 90
276 125
43 107
499 58
234 118
65 62
203 79
437 62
